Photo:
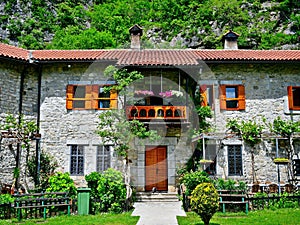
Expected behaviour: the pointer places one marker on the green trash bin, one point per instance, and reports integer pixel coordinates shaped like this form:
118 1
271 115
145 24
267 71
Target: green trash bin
83 203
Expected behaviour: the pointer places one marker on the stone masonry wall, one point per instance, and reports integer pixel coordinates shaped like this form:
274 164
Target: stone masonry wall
266 96
10 78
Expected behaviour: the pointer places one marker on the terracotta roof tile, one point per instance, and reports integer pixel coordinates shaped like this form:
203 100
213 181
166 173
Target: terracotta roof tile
60 55
13 52
151 57
249 55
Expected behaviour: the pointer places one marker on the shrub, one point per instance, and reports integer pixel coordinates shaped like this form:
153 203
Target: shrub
192 179
108 191
205 201
62 182
6 198
92 180
47 167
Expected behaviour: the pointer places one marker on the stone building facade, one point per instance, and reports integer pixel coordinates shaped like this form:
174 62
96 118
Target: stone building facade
37 83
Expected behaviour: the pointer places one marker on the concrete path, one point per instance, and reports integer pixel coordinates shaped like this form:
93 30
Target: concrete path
158 213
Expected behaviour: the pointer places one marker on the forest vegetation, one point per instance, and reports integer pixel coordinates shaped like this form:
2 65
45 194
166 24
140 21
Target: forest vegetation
104 24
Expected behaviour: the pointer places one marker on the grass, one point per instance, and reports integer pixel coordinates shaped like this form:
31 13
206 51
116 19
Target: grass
265 217
107 219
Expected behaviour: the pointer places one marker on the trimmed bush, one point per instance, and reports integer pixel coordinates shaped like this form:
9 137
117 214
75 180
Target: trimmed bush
205 201
62 182
108 191
192 179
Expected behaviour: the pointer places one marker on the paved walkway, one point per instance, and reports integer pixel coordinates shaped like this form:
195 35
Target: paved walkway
158 213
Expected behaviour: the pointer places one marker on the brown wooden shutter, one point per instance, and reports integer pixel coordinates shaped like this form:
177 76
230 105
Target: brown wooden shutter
88 97
242 98
70 95
290 97
113 99
222 96
203 95
95 96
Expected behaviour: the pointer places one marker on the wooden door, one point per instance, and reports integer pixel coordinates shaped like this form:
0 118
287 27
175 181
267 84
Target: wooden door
156 168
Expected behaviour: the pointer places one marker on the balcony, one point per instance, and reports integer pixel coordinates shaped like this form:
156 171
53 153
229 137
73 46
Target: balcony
147 113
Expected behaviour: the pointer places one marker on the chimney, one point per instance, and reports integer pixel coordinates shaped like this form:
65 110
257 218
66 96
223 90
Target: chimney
136 33
230 40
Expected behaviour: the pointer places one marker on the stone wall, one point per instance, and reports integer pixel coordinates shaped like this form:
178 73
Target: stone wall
266 96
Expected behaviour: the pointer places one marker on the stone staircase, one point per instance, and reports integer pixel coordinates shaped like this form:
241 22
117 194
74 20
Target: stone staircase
156 197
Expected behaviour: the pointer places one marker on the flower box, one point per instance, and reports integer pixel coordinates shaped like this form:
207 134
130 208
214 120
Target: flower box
281 161
206 161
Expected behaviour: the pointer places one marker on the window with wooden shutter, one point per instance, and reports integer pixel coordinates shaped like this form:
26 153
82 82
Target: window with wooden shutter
232 97
90 97
294 97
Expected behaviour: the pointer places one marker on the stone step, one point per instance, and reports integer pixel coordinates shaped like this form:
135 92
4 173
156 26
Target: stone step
156 197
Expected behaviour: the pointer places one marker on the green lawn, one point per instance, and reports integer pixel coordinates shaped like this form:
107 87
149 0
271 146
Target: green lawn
265 217
100 219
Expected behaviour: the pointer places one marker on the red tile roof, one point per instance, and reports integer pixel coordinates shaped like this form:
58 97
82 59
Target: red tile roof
13 52
60 55
151 57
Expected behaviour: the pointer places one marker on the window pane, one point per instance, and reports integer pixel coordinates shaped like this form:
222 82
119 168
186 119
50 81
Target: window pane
235 160
103 94
231 92
104 104
103 158
77 160
296 96
78 104
232 104
79 91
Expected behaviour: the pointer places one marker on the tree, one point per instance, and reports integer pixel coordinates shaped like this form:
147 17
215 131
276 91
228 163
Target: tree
18 133
205 201
114 128
250 131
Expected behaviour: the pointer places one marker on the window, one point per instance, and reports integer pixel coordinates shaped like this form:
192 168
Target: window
294 97
232 97
77 160
90 97
296 167
235 160
103 158
206 95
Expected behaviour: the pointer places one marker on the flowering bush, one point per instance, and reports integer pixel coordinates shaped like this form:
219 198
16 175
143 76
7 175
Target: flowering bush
144 92
171 93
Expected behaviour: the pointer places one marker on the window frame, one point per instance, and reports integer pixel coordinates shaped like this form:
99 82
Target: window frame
102 157
241 100
78 171
291 97
92 97
240 155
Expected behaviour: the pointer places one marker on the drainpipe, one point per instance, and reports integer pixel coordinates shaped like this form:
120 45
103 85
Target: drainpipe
18 155
38 136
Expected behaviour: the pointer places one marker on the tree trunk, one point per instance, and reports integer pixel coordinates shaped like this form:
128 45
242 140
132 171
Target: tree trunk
127 183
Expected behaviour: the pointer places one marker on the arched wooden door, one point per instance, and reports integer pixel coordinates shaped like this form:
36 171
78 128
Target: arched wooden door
156 168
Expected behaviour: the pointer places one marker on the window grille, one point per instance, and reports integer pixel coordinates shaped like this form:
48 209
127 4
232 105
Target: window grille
77 160
235 167
103 158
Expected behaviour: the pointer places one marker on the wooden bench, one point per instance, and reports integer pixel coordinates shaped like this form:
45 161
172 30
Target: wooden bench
234 199
41 201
